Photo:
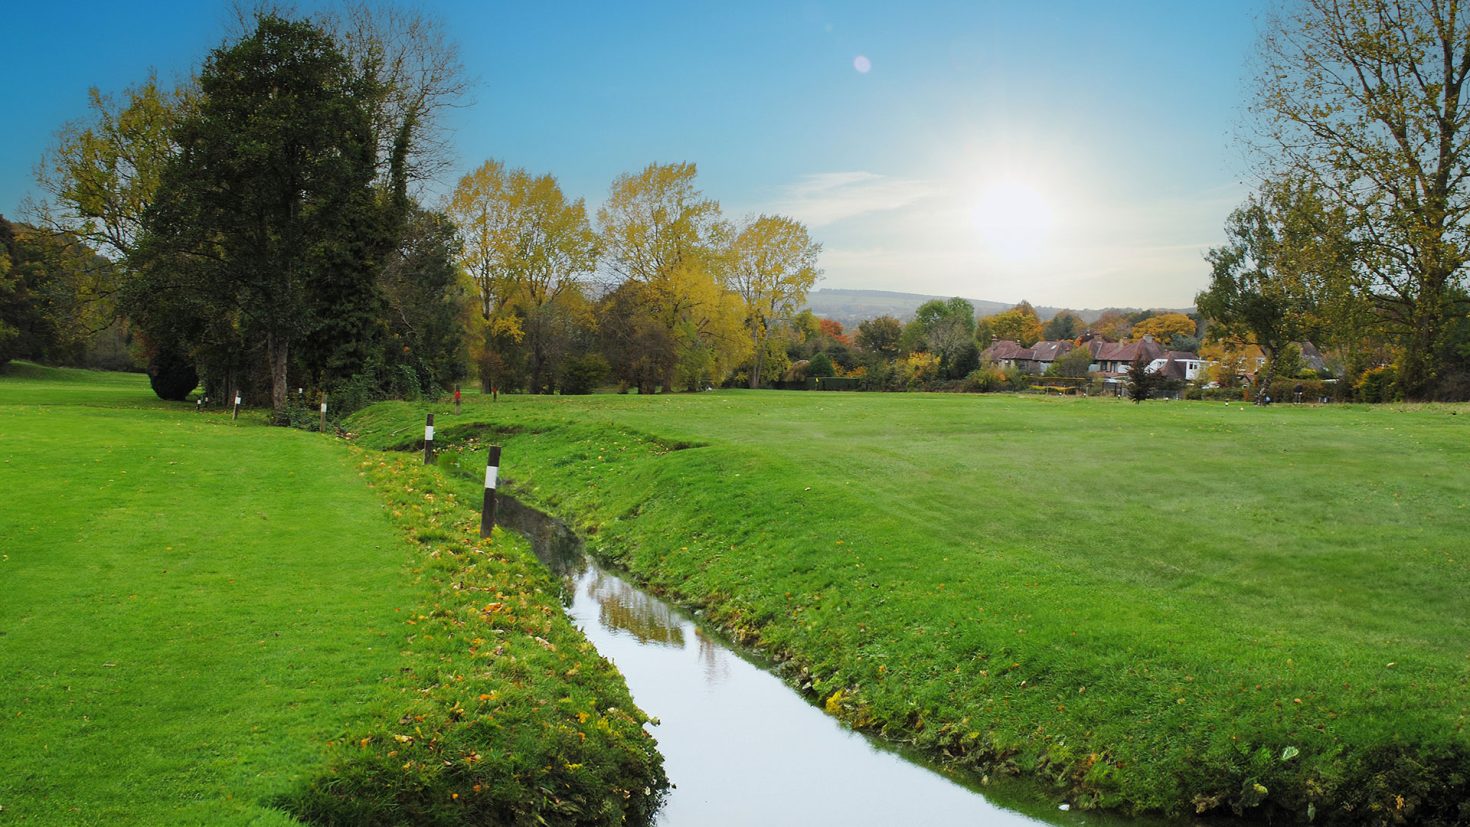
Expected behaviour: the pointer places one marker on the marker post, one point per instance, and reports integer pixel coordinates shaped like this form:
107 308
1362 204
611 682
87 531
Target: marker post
487 512
429 440
235 412
323 426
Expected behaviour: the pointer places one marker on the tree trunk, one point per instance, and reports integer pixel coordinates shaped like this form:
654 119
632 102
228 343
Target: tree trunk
1416 370
1268 373
755 369
276 350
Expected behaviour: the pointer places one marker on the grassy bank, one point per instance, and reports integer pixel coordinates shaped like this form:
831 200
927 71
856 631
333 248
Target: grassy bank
207 622
1168 607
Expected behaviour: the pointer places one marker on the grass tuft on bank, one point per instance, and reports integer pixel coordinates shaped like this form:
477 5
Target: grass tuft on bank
1172 608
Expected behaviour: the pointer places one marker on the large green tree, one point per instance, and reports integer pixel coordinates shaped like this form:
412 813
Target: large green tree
1368 100
267 216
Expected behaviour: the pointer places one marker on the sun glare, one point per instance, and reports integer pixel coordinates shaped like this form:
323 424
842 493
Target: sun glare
1013 219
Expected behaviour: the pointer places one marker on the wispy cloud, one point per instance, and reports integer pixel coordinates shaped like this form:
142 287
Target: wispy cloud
830 197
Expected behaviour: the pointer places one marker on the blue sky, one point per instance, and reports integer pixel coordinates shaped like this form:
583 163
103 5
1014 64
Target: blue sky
1069 153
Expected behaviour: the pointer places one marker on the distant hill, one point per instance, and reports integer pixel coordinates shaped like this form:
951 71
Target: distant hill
853 306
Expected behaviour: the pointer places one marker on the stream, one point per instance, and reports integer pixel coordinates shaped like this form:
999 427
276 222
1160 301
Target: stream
740 746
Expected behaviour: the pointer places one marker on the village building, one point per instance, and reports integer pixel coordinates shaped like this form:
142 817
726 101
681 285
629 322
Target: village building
1035 359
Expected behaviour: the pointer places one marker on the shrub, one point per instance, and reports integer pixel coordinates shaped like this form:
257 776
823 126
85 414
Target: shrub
820 365
582 374
172 375
1378 384
985 380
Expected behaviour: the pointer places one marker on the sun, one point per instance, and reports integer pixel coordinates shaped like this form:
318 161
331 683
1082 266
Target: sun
1013 219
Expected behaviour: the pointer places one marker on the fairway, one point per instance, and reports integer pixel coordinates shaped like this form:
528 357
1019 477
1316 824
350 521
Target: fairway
190 608
1173 606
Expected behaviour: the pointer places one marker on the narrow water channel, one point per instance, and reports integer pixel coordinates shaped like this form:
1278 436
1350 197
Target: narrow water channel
741 747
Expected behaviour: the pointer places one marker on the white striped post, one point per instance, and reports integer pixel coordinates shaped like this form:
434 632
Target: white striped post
323 426
487 512
429 440
199 405
235 412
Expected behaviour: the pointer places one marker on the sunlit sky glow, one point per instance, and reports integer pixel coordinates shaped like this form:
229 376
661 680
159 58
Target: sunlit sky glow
1069 153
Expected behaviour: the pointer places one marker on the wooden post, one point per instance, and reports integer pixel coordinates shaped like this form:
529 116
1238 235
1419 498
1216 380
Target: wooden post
487 512
199 405
323 427
235 413
429 440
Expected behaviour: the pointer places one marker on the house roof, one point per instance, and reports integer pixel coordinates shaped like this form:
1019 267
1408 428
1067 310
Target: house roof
1311 356
1146 349
1005 349
1049 351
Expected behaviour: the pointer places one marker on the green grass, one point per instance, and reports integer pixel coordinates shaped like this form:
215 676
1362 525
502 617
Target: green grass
1168 607
195 614
190 609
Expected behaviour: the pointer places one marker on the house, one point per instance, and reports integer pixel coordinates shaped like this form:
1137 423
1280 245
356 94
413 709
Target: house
1034 359
1114 358
1005 353
1177 364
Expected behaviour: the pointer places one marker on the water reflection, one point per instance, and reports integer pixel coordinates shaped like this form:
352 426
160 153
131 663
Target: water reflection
630 609
739 745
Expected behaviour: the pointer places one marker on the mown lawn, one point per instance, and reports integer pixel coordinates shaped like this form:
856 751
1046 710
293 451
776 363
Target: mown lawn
1169 607
190 608
207 622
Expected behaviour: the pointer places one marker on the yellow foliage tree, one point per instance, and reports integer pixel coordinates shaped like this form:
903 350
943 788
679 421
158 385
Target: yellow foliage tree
659 231
1018 324
1163 327
772 265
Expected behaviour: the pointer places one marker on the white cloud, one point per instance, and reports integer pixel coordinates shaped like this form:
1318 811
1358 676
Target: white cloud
827 198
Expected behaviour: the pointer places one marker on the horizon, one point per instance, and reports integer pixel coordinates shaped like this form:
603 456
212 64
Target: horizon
1075 157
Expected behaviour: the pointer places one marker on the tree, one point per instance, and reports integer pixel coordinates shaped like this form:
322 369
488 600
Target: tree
880 336
1163 327
1141 381
264 212
1074 363
44 276
416 75
1367 100
424 299
946 328
102 175
638 348
773 263
1112 324
556 248
1064 325
659 231
1019 324
481 208
1285 248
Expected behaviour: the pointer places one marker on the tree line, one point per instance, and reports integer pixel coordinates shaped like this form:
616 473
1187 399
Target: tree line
261 229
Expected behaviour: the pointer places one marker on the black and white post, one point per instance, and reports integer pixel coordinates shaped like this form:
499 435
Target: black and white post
492 471
235 412
323 426
429 440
